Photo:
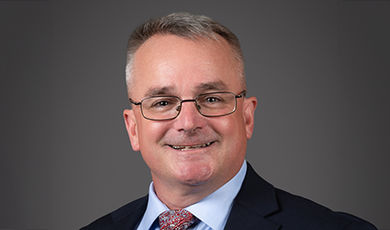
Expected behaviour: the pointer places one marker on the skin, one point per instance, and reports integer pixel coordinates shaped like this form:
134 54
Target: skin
171 65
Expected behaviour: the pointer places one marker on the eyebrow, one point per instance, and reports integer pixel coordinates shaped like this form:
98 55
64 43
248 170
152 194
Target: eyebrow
159 91
169 90
214 85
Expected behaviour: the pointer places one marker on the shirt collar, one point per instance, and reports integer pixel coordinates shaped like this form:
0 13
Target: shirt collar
154 208
213 210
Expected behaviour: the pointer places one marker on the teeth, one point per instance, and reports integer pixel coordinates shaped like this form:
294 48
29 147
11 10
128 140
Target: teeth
186 147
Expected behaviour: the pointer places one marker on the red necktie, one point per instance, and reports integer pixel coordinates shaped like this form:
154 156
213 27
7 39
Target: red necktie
179 219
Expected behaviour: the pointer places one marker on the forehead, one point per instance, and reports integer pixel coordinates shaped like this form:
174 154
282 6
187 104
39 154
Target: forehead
179 65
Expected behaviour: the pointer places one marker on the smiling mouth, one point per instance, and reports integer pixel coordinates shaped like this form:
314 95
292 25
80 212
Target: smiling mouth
190 147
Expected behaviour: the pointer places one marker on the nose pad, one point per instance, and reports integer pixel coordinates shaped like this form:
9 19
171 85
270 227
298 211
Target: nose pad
188 119
197 107
179 107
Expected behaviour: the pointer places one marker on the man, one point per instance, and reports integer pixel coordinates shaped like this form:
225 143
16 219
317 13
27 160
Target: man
191 120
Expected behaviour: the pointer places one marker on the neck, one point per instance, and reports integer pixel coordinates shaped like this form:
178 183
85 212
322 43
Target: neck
181 195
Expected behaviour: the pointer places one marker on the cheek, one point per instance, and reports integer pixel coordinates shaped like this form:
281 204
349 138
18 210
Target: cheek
232 130
150 132
231 126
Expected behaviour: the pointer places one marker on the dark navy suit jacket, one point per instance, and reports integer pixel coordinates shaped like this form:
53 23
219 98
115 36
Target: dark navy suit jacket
258 205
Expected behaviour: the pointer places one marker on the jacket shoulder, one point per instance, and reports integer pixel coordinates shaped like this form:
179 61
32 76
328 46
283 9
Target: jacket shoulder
286 211
295 209
127 215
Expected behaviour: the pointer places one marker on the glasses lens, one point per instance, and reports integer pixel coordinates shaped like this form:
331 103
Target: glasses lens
216 104
209 104
160 108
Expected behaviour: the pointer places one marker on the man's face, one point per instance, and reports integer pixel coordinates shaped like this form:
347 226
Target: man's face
174 66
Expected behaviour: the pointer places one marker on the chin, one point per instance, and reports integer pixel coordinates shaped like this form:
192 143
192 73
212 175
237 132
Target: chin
194 174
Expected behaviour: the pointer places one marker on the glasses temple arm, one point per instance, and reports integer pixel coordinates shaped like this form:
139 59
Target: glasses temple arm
134 102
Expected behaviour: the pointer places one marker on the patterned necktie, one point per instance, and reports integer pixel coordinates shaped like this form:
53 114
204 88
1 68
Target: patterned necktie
178 219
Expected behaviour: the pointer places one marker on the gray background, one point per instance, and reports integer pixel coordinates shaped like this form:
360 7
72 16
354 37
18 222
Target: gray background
320 70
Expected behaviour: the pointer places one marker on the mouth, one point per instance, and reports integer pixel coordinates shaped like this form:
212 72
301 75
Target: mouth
191 147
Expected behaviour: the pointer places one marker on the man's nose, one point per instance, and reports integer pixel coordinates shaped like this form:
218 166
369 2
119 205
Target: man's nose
189 118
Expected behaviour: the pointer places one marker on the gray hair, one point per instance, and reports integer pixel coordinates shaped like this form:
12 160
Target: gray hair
184 25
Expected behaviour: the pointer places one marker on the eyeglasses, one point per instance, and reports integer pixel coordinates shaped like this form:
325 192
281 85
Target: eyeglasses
215 104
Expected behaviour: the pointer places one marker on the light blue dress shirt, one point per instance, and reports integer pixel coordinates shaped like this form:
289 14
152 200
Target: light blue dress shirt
212 211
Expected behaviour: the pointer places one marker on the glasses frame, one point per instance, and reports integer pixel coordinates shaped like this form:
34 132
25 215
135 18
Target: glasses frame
242 94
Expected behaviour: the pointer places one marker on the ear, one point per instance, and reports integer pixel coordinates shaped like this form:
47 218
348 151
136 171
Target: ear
249 107
131 127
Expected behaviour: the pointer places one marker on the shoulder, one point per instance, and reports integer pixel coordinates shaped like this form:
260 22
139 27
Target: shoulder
127 215
289 211
294 209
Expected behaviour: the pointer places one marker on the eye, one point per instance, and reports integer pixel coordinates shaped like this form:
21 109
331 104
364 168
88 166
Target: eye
212 99
161 103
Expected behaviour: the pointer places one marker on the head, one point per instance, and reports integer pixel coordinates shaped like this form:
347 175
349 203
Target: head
184 55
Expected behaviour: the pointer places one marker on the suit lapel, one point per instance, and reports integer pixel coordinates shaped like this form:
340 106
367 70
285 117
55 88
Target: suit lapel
255 201
130 215
243 218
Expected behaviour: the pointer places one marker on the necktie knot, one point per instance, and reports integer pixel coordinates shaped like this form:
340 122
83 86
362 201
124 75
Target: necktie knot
179 219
